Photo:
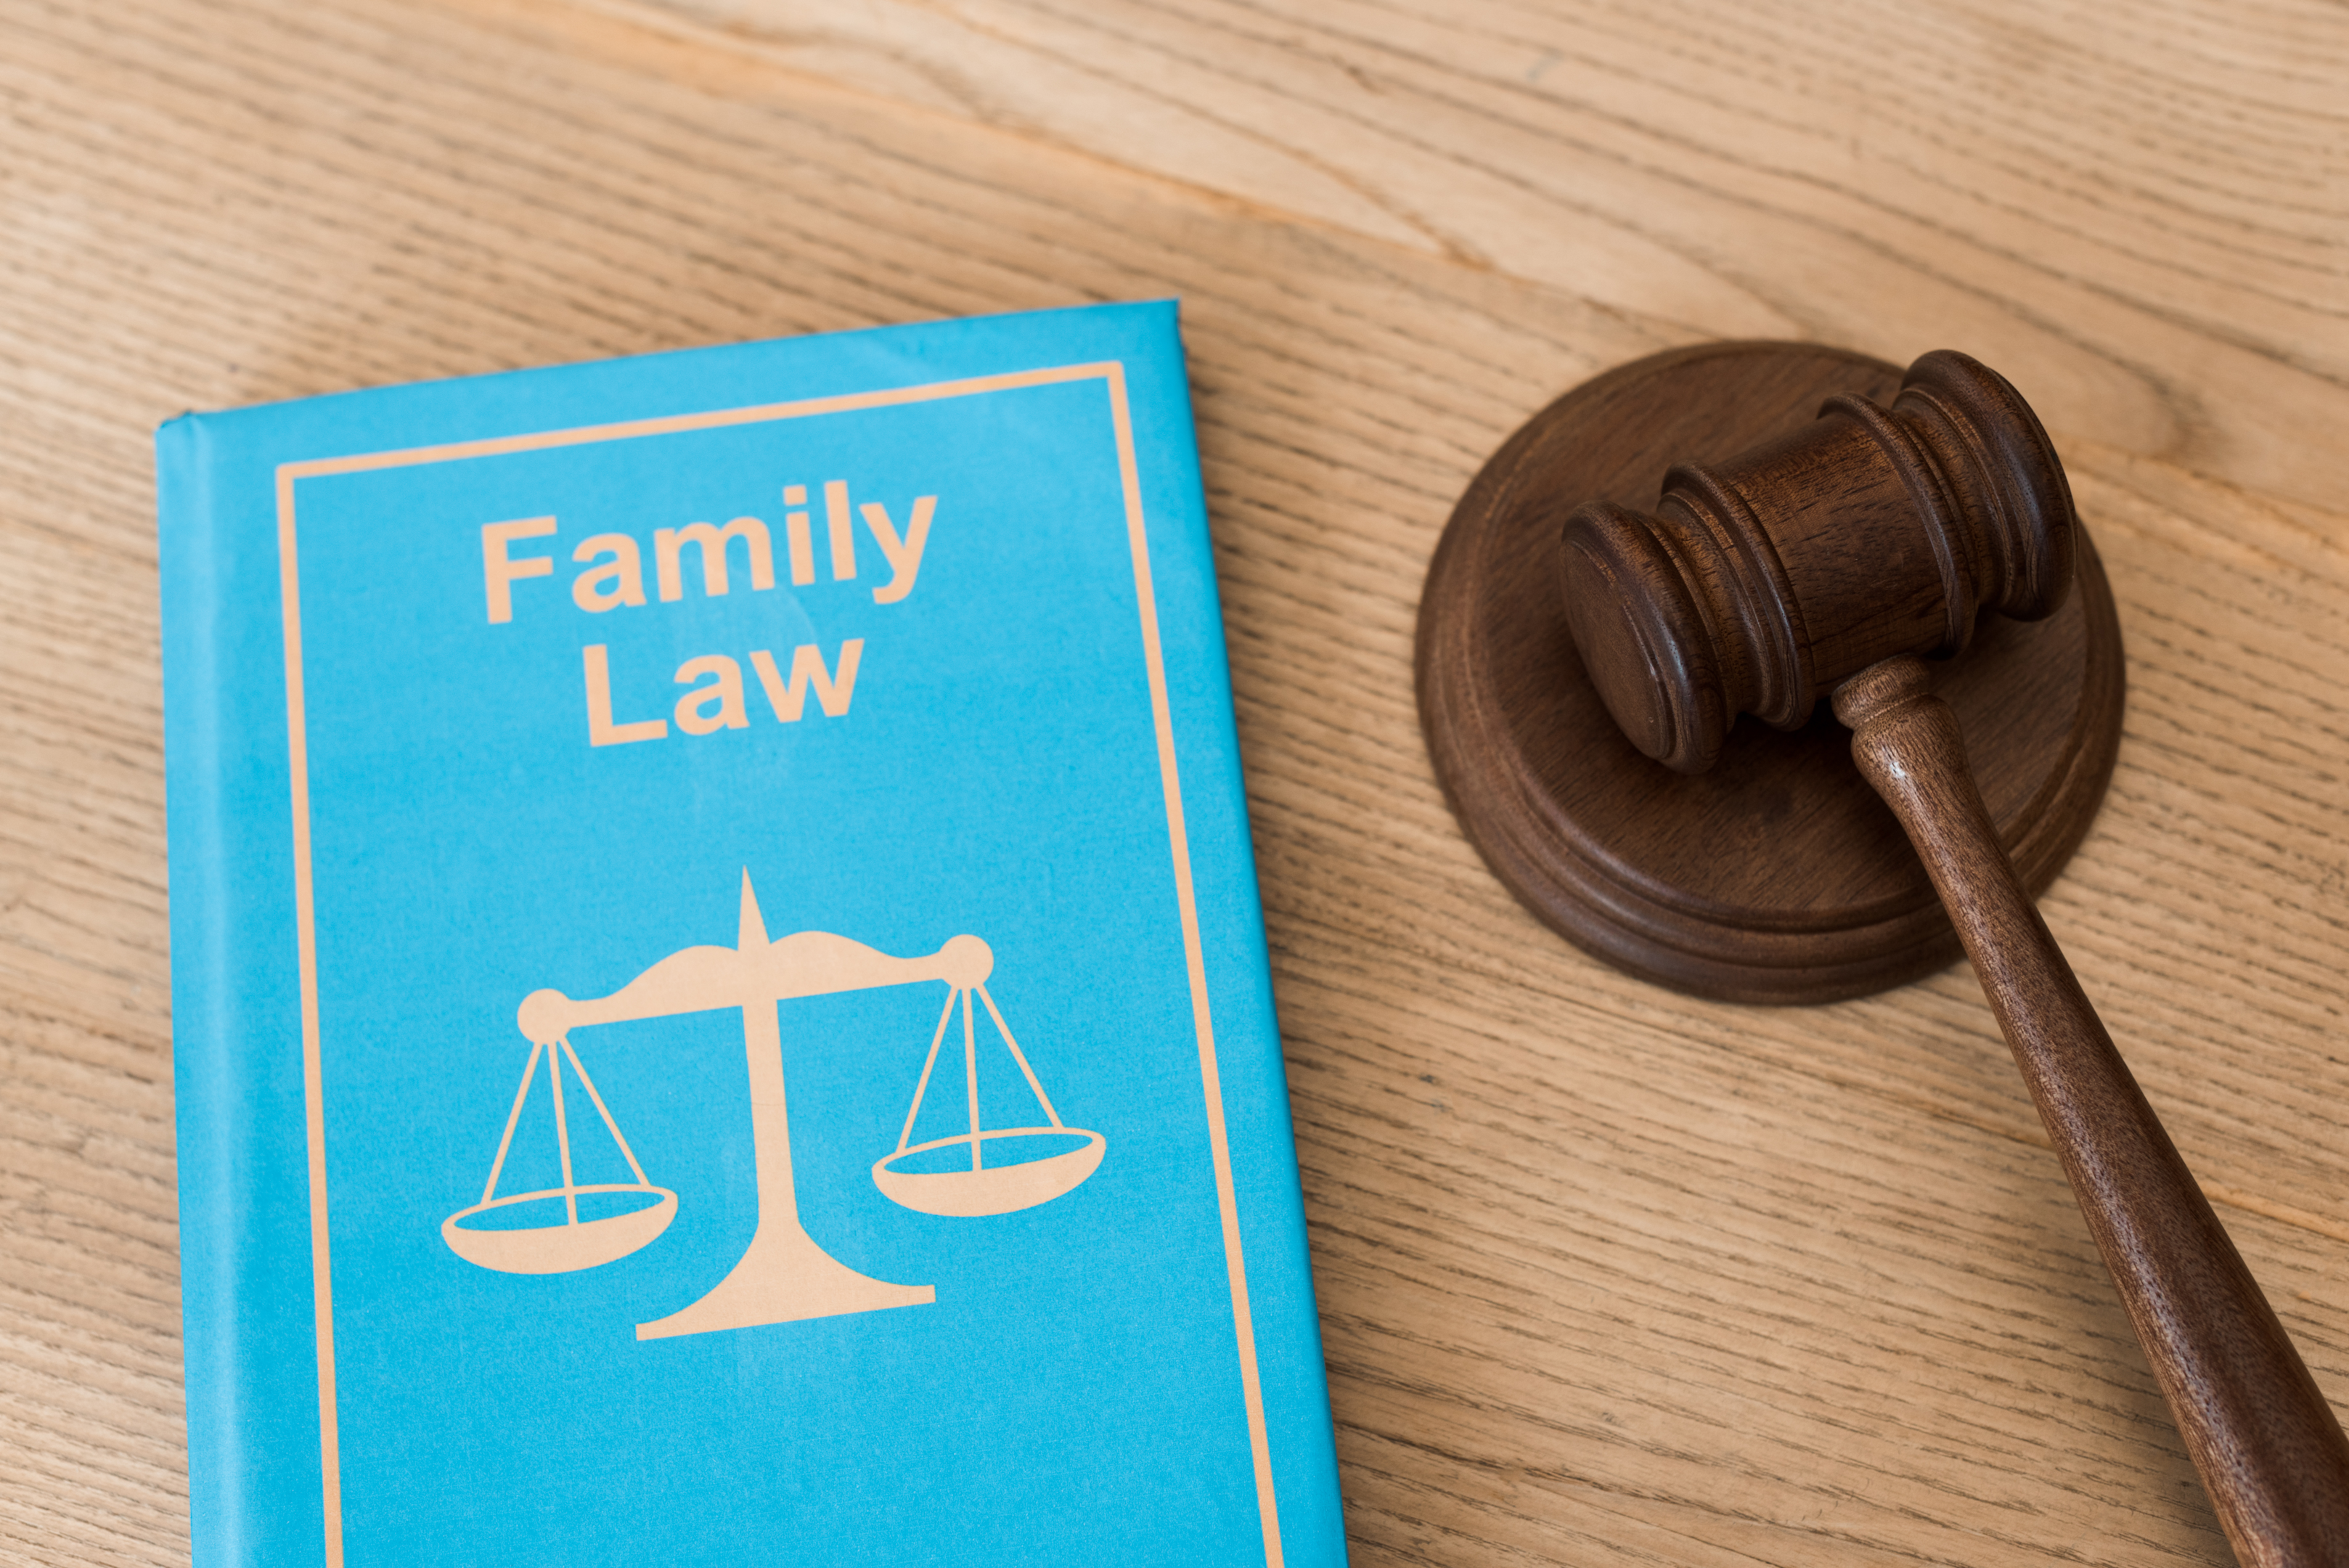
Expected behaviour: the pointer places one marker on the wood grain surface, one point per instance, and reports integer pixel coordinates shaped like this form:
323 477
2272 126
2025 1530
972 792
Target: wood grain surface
1606 1275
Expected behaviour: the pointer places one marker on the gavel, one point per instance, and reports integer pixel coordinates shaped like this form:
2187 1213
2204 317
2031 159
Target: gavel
1833 562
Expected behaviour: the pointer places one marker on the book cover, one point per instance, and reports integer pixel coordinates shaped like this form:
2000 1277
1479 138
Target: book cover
720 1004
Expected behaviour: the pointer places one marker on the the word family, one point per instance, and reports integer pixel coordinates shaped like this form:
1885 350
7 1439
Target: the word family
615 562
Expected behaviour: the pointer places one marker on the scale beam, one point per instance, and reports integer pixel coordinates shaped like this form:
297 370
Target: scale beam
756 974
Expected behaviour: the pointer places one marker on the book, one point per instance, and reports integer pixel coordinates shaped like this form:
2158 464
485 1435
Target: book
720 1005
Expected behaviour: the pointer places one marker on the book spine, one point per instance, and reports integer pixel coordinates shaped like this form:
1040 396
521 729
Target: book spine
196 812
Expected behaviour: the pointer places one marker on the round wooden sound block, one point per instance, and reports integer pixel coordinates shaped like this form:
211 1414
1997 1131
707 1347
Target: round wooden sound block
1778 876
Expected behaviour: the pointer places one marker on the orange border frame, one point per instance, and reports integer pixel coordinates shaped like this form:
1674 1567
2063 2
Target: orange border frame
1112 372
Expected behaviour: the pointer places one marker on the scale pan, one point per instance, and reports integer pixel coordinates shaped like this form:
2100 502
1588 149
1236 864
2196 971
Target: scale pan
995 1190
560 1248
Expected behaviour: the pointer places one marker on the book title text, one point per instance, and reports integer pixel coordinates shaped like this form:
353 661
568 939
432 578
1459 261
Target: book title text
612 578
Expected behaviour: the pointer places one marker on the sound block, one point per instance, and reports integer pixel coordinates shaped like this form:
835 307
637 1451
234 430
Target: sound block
1778 876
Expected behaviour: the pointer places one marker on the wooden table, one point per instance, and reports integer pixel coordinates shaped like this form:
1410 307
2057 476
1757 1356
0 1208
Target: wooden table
1606 1275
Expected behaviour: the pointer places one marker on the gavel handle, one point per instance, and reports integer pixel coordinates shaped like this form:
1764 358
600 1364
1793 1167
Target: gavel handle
2268 1446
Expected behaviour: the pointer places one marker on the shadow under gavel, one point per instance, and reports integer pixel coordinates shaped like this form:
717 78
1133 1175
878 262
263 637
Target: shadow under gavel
1825 563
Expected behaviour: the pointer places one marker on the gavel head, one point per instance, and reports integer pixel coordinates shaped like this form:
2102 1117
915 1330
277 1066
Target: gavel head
1760 584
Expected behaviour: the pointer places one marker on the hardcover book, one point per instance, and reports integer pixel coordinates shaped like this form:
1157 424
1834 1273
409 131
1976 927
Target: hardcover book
720 1004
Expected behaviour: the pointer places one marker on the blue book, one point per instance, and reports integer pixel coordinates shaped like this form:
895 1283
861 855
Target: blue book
720 1003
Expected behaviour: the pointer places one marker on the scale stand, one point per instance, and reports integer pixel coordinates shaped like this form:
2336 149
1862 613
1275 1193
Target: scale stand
785 1276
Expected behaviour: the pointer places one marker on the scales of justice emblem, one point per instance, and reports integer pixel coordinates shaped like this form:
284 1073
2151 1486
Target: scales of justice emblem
784 1275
